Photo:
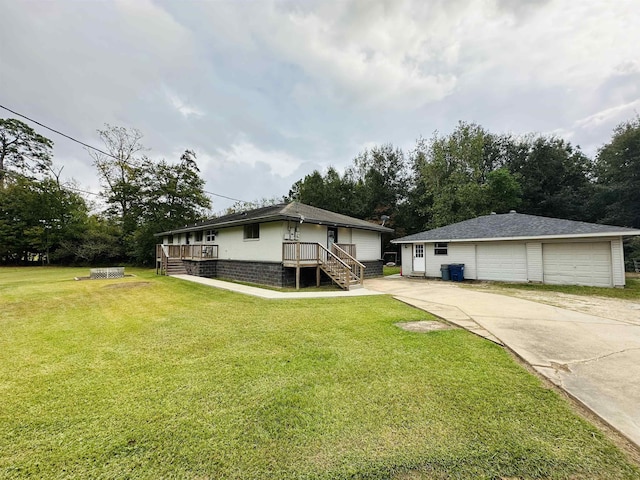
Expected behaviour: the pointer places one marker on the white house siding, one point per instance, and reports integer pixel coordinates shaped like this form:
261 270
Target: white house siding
617 262
406 258
313 233
344 235
578 263
534 262
268 248
456 253
368 244
502 261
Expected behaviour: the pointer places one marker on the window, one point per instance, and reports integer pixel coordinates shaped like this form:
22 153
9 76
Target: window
199 236
210 235
418 251
170 239
252 231
440 249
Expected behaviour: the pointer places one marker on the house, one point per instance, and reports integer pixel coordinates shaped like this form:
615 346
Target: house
279 245
514 247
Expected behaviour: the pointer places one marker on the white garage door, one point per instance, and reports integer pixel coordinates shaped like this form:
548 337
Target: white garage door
504 261
577 263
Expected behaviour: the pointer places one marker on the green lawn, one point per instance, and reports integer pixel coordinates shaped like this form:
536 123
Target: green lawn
391 270
153 377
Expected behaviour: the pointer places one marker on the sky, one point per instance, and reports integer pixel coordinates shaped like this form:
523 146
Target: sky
266 91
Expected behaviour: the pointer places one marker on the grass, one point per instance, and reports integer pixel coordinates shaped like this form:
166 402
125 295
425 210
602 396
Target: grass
390 270
153 377
630 292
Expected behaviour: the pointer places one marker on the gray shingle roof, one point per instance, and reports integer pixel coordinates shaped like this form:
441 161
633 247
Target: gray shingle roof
514 225
294 211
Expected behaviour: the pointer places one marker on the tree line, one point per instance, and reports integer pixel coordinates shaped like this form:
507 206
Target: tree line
471 171
45 221
441 180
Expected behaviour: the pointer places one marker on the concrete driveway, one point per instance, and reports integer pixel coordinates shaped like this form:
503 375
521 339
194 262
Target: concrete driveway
594 359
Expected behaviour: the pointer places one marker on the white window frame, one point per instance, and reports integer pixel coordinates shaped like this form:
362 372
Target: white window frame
251 231
418 250
441 248
210 235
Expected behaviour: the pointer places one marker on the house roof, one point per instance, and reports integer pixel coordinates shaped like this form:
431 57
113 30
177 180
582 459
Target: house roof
510 226
294 211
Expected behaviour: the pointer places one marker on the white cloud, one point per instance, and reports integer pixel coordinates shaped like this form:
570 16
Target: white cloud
310 84
242 152
609 115
185 109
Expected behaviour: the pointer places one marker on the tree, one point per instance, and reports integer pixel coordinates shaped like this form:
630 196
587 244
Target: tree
121 172
618 176
555 178
380 177
22 149
172 196
36 218
459 176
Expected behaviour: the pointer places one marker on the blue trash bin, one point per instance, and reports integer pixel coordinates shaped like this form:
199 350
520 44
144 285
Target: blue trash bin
456 272
444 270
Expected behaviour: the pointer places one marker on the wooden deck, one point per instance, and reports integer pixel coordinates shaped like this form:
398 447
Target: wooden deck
339 262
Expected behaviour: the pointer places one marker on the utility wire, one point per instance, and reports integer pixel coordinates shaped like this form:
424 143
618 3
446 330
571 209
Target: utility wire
60 133
99 150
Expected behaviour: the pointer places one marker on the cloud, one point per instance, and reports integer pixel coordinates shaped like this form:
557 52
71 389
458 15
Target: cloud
182 107
244 153
608 115
267 91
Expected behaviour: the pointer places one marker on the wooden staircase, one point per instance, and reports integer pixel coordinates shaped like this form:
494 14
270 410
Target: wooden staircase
175 267
340 273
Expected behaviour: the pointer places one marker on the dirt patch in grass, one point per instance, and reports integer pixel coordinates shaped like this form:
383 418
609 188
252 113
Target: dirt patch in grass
423 326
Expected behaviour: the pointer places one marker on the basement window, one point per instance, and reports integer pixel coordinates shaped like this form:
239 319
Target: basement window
441 249
252 231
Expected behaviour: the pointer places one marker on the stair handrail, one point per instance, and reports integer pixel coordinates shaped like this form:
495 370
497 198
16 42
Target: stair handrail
349 256
360 277
330 253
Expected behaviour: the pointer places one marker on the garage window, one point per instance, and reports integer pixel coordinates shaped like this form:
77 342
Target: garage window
441 249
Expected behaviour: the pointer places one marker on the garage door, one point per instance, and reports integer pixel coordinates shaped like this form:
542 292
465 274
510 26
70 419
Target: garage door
577 263
504 261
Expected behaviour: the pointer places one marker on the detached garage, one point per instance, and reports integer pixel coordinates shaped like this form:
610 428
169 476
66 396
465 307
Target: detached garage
521 248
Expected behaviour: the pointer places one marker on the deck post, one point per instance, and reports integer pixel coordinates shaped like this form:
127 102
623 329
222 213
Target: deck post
318 276
298 266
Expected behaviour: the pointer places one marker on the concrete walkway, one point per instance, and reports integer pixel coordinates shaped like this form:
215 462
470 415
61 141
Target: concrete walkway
273 294
596 360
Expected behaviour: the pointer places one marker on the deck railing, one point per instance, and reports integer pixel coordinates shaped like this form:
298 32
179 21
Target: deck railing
300 251
349 248
188 252
348 258
297 253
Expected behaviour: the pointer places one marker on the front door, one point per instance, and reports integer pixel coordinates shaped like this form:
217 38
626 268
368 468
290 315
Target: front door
418 257
332 236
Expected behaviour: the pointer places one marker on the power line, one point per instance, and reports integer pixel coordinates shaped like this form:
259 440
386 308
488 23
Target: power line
59 133
99 150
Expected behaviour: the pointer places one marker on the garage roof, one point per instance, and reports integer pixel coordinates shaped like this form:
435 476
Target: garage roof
510 226
294 211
